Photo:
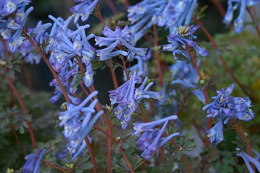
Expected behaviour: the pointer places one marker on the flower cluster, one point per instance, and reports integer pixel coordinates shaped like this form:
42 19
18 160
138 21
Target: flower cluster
249 159
170 14
39 35
77 123
183 40
186 75
67 48
83 9
13 17
118 39
141 65
239 21
33 161
225 107
152 139
127 96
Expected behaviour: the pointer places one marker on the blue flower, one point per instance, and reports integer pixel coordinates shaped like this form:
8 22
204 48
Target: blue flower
39 34
13 17
127 97
225 107
117 38
78 121
183 40
151 139
239 21
249 160
33 162
171 14
215 134
83 9
186 75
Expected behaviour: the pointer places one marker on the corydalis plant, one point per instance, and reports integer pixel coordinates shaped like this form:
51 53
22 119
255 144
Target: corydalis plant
13 17
182 41
33 161
152 138
128 96
225 107
164 13
239 21
83 9
250 161
77 122
118 42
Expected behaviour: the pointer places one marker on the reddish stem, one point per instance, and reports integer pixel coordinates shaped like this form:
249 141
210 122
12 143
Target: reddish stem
112 6
219 7
117 143
125 69
254 18
17 138
228 69
54 166
92 157
209 121
39 50
10 83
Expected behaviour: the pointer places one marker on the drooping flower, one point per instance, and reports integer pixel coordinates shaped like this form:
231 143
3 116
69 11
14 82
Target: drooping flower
83 9
225 107
183 40
33 161
249 160
127 97
78 121
120 39
239 21
39 34
151 139
170 14
186 75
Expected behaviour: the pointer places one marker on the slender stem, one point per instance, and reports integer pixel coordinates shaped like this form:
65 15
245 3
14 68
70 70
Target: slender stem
54 166
219 7
117 143
228 69
125 69
198 131
92 157
254 18
158 61
209 120
40 51
17 138
245 139
112 6
10 83
182 156
113 74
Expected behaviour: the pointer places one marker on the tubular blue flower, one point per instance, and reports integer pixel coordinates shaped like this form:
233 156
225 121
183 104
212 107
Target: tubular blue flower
249 159
239 21
225 107
186 75
83 9
215 134
13 17
32 164
39 33
127 97
78 121
171 14
141 127
151 139
116 38
182 40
